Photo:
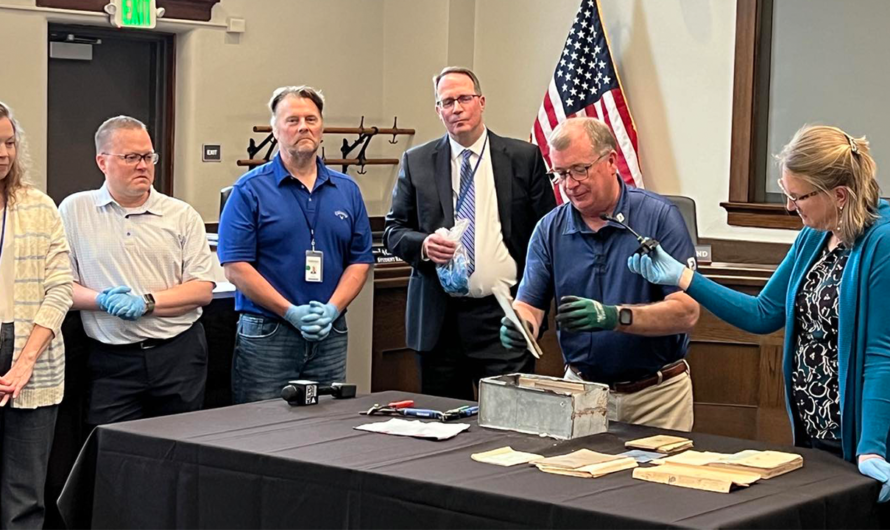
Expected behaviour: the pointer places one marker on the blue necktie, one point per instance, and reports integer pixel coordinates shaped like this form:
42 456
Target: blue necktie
467 209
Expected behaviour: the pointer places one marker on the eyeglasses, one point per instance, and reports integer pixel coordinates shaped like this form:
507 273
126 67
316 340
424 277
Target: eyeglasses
134 158
448 103
794 199
578 173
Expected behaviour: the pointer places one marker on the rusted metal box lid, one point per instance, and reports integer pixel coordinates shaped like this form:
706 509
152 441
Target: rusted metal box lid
543 405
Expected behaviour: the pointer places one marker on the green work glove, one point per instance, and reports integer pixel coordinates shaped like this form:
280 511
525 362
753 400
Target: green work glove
511 337
582 314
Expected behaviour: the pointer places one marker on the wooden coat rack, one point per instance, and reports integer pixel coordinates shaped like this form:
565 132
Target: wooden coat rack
365 134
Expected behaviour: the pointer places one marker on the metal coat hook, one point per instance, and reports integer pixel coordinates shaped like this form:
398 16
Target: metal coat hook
395 125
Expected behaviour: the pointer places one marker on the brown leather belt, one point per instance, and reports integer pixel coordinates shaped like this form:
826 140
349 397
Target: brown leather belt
667 372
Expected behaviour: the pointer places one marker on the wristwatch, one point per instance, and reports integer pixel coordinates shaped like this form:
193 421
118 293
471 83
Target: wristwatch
625 316
149 300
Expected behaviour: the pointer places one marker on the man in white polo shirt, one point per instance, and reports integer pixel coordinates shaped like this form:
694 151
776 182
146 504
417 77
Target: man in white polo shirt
142 272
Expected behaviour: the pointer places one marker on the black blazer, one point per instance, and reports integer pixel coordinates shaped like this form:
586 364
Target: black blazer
422 202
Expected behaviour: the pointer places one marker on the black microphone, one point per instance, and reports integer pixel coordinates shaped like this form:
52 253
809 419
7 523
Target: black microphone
647 244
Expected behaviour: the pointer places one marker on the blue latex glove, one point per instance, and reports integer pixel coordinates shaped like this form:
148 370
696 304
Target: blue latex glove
318 325
511 337
657 267
878 469
125 306
102 298
296 313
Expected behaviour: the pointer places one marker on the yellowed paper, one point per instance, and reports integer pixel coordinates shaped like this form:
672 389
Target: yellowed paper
661 443
576 459
696 477
505 456
691 458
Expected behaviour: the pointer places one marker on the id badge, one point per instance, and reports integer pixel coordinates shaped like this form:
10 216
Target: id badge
314 264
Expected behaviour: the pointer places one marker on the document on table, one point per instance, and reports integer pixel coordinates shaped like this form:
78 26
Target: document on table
416 428
505 456
502 295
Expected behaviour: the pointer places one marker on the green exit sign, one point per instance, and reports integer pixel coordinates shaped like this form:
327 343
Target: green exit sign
136 13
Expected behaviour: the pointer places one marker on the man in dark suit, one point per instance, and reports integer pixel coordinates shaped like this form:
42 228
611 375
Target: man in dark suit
499 185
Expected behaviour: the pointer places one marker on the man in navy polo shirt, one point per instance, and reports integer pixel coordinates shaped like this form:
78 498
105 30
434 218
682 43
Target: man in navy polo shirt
613 328
295 239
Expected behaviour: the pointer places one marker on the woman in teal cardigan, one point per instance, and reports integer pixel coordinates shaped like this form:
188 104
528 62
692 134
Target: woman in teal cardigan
830 293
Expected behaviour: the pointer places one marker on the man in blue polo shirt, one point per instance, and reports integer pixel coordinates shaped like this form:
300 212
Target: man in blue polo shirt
613 328
295 239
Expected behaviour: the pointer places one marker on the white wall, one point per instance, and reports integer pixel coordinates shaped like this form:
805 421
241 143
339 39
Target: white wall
224 83
675 61
376 58
23 79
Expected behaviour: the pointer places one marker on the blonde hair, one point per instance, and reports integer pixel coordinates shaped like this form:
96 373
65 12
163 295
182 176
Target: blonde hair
827 157
16 179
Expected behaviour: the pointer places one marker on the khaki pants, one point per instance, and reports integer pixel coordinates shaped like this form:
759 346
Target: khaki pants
667 405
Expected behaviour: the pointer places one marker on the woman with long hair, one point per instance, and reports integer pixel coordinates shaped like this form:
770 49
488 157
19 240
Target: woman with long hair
36 287
829 293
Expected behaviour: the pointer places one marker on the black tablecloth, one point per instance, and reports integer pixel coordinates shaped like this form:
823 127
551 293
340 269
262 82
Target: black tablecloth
269 465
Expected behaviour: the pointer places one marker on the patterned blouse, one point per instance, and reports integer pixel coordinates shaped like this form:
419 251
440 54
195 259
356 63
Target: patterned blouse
815 377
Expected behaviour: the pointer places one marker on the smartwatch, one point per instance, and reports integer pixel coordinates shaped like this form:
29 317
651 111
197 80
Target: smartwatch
149 304
625 316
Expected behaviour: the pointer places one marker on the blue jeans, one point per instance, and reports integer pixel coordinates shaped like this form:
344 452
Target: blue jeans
270 352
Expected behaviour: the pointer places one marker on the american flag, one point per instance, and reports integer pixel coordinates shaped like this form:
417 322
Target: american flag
586 83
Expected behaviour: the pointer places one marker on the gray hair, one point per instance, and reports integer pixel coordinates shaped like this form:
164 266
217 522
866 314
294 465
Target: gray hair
112 125
302 91
598 134
477 87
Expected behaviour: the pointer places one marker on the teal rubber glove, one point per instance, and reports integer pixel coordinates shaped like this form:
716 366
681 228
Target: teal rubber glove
102 298
878 469
511 337
295 314
582 314
126 306
318 325
657 267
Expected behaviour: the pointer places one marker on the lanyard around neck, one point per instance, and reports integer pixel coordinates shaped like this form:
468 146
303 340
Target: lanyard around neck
311 223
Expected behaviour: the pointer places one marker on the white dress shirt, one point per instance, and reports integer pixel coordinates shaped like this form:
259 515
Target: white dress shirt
152 248
494 264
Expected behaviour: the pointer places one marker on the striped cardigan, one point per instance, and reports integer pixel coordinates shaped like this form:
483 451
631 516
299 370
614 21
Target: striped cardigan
42 293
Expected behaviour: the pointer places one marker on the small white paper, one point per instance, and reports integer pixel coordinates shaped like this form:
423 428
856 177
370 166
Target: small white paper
506 302
416 428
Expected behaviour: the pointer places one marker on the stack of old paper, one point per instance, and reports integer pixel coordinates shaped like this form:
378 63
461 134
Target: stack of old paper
691 458
767 464
505 456
661 443
585 463
717 471
697 477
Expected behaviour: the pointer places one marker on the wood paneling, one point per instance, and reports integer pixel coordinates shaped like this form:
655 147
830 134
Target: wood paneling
739 252
743 94
737 376
750 114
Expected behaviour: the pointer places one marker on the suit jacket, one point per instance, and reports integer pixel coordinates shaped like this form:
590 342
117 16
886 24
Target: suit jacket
422 202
